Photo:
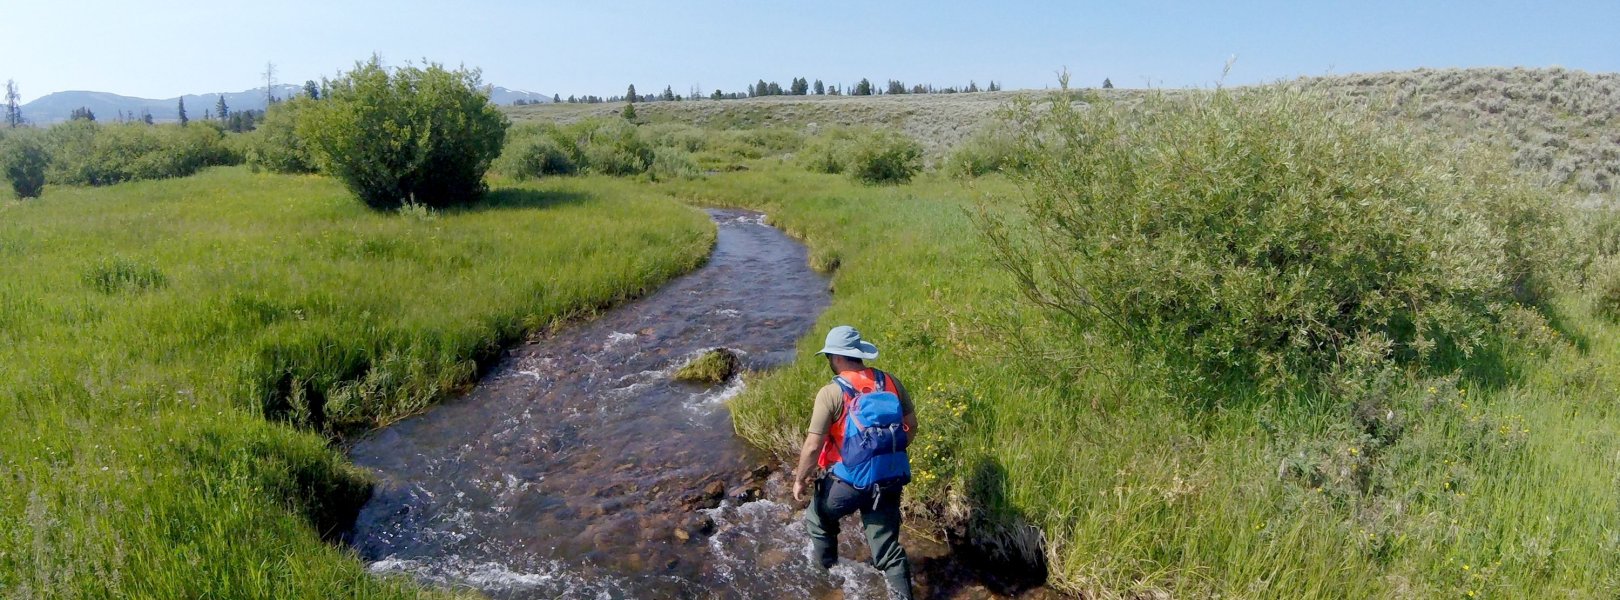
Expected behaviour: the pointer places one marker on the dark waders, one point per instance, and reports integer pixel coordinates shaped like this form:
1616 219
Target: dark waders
880 519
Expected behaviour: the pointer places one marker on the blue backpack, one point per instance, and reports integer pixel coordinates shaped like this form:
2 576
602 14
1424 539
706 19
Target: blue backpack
875 439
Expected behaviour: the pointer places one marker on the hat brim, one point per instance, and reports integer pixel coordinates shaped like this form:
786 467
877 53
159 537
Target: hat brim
862 350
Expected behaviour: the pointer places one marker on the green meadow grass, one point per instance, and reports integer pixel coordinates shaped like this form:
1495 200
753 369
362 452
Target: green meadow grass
160 340
1491 485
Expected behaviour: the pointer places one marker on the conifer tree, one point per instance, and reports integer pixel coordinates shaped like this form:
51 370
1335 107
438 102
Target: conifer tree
1108 84
629 112
630 95
311 90
183 119
864 88
220 109
821 88
556 98
13 110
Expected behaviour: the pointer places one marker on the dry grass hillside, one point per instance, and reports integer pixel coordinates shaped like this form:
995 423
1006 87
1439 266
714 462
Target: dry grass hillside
939 121
1562 126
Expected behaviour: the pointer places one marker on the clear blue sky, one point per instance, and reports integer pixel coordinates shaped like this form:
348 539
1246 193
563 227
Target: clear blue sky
163 49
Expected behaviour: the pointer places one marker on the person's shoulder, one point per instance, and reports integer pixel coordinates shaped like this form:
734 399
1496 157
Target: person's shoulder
891 376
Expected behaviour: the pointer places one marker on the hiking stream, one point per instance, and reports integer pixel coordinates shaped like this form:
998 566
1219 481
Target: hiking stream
580 468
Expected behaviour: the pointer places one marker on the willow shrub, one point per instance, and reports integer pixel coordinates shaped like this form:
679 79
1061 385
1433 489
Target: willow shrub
274 145
22 162
406 135
612 147
1256 235
537 151
989 150
885 157
828 152
89 153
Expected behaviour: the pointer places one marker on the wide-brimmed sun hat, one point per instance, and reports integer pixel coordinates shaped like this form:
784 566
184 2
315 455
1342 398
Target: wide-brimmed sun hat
844 340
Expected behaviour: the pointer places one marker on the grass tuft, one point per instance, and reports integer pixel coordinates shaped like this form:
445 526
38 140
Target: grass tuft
711 367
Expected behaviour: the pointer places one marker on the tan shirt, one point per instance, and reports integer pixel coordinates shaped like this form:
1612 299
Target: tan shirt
830 405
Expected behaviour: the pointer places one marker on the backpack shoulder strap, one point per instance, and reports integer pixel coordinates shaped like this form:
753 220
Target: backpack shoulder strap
848 388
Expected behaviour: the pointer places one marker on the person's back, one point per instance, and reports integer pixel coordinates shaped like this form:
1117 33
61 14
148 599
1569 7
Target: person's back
859 428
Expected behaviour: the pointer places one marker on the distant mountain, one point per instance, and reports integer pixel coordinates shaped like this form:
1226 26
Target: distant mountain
58 107
505 97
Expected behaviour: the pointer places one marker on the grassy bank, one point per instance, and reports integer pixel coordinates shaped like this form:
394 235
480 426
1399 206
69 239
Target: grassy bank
158 338
1494 484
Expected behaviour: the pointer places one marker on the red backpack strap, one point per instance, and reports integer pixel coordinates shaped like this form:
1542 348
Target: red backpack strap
849 392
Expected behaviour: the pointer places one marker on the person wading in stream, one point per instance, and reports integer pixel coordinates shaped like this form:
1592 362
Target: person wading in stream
859 429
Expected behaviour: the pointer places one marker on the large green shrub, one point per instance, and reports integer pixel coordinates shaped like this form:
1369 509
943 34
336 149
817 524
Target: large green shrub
1258 234
885 157
89 153
418 135
274 145
23 159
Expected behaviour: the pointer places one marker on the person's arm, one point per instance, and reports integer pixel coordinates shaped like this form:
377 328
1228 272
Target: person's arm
820 419
807 459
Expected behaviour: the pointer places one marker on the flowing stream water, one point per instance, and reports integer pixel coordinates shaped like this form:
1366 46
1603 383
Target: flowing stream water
579 468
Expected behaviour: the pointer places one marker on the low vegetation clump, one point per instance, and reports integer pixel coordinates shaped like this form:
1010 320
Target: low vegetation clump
672 163
177 357
872 156
829 151
409 134
885 157
714 366
532 152
992 149
613 147
23 160
89 153
111 276
608 147
1261 234
1606 287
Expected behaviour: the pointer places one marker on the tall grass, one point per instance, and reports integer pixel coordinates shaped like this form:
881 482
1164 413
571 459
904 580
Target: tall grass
158 338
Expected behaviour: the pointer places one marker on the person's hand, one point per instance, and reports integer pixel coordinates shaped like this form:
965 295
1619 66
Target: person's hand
798 489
